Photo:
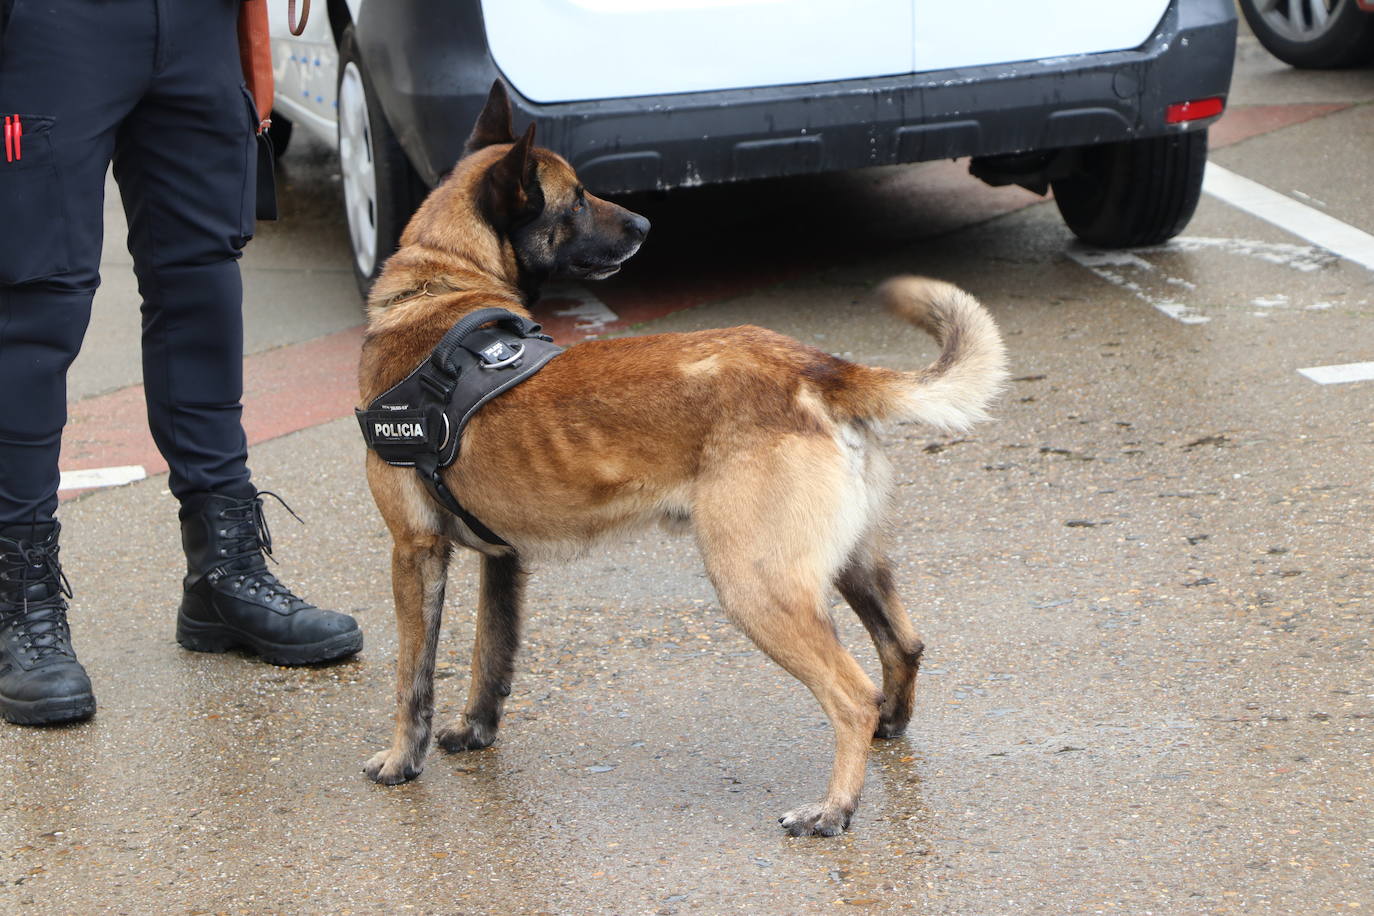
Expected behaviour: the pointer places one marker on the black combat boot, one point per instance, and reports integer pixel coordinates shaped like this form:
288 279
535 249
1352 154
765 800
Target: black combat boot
41 682
233 602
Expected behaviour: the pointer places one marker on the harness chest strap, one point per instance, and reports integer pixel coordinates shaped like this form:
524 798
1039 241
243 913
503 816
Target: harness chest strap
419 421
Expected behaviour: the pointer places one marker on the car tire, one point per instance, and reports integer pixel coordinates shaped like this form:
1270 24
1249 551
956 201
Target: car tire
1289 30
279 133
381 188
1139 192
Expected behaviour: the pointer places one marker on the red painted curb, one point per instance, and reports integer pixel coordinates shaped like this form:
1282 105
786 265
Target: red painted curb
1248 121
285 390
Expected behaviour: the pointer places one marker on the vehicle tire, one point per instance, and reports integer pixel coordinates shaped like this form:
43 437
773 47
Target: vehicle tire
381 189
279 133
1139 192
1311 33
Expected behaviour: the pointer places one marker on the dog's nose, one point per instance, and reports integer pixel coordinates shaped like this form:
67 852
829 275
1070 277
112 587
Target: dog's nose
636 225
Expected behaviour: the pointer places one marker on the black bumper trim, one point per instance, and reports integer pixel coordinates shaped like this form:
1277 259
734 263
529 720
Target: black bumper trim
636 144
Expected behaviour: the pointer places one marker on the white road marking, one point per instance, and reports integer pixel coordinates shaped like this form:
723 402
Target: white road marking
101 477
1336 375
1290 215
1309 197
1113 266
591 315
1303 221
1305 258
1127 269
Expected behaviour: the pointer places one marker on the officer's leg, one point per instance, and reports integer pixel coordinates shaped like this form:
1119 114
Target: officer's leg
68 74
185 162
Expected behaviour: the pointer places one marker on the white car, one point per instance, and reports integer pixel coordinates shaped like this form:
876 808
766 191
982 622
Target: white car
1106 102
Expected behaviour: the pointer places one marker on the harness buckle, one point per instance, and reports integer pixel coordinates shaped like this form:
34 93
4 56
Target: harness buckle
500 354
440 388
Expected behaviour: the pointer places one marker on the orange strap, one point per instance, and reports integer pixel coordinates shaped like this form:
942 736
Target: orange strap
255 51
255 54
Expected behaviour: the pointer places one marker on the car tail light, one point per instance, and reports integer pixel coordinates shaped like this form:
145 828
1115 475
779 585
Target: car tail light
1179 112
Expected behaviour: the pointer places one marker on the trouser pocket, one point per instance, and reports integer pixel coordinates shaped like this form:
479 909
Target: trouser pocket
33 218
248 205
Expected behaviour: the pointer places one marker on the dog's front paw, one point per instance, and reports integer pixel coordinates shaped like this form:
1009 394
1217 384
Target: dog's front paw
893 715
890 728
390 767
816 820
465 735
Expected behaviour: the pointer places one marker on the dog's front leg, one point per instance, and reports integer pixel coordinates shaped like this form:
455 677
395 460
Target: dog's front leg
418 575
493 655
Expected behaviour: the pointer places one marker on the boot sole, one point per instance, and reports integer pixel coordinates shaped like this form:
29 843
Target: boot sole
48 711
216 638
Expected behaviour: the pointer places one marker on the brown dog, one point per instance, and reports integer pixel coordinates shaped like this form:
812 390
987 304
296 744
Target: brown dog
764 446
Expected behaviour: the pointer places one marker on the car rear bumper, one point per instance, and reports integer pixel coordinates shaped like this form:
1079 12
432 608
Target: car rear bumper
634 144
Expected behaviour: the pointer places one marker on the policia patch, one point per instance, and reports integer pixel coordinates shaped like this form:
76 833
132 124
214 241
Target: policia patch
419 421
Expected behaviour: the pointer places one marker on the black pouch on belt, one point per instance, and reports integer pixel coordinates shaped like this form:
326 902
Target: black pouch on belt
267 178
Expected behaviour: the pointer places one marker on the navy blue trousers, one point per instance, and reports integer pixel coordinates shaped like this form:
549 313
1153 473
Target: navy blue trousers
154 86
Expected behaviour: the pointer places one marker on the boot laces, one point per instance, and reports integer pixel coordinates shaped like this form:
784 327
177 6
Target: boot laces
247 544
41 625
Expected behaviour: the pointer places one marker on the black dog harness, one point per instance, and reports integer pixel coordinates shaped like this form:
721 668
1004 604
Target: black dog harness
419 421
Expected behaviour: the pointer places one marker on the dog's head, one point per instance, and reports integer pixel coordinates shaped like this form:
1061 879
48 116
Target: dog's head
532 197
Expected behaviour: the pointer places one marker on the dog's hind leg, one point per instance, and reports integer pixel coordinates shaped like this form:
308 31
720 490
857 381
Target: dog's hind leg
866 583
419 572
787 621
493 655
769 535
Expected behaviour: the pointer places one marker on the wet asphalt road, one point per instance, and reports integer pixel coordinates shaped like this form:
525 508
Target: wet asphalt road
1146 591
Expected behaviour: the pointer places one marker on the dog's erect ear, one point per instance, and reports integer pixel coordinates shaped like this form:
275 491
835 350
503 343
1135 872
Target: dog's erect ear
494 123
512 185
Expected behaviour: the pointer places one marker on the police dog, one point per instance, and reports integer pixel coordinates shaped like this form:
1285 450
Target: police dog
765 448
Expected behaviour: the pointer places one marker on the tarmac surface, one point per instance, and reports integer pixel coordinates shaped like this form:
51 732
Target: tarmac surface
1146 591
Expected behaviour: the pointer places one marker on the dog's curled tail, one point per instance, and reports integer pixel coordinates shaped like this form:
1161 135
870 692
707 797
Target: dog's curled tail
953 392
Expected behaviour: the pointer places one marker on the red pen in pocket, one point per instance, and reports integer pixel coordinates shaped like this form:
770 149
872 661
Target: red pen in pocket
18 135
9 139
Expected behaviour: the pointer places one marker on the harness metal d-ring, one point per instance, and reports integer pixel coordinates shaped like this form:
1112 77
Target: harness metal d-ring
448 431
519 352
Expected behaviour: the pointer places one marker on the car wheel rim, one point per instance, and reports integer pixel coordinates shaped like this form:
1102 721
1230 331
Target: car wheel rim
1299 20
359 169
